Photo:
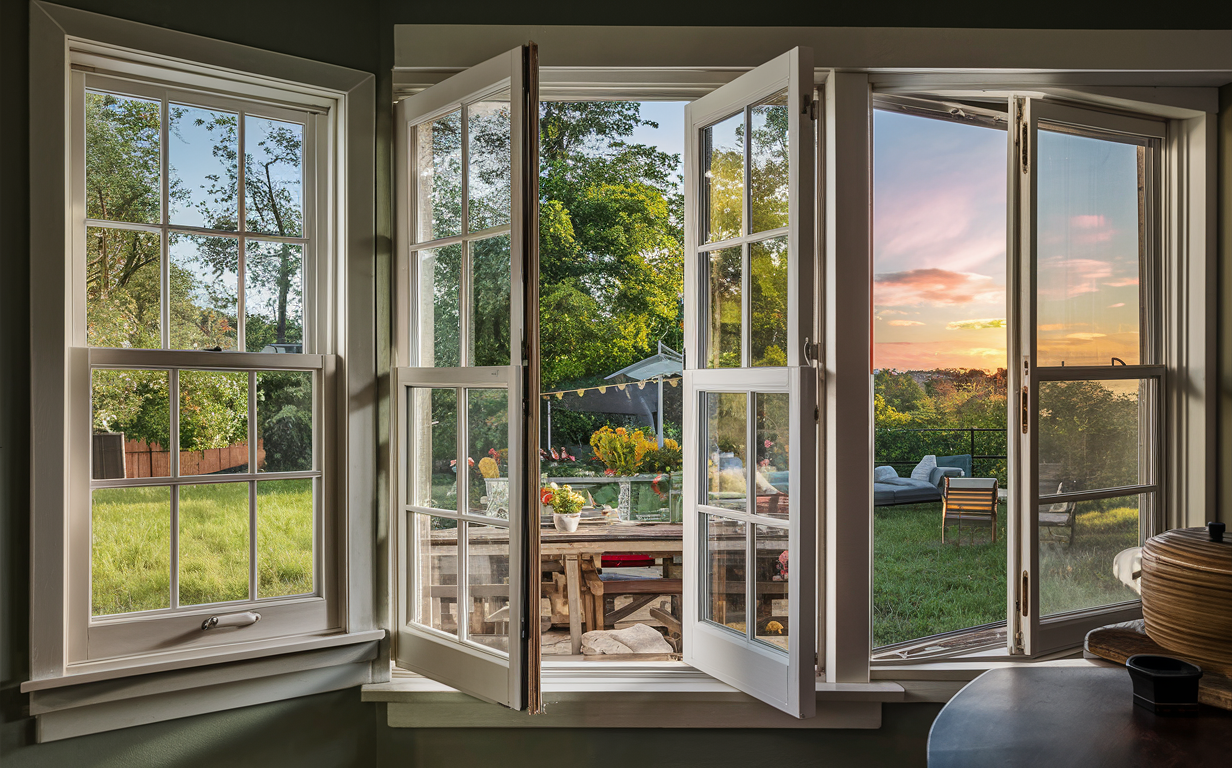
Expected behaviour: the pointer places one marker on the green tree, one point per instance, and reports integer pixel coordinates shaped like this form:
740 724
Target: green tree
611 243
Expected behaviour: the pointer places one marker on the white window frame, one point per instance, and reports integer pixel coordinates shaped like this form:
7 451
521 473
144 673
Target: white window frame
1158 73
72 694
126 635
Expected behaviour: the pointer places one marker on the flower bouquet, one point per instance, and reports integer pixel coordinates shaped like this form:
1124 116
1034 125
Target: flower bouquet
566 505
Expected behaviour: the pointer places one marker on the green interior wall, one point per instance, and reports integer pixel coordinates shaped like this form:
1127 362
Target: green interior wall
336 729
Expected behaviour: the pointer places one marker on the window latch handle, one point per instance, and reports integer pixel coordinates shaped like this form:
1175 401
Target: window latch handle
247 618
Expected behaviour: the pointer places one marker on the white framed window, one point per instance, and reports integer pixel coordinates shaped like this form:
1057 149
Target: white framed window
844 217
200 446
468 229
1090 419
207 495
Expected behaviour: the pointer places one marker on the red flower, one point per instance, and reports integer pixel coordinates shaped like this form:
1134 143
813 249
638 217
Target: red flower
609 472
545 496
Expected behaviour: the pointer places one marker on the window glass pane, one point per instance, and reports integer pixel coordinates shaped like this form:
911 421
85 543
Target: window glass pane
768 149
213 422
773 602
440 299
725 310
130 550
203 160
213 543
1079 543
131 420
273 176
489 176
204 290
436 572
490 309
123 139
487 578
723 182
1090 242
726 545
1092 434
284 538
284 421
773 449
768 302
273 297
487 430
439 148
939 384
726 435
123 288
433 462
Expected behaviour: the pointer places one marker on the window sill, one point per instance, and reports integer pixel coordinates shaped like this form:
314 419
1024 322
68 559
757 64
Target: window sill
673 695
151 689
627 695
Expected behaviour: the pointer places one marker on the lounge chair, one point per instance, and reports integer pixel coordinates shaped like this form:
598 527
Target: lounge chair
969 500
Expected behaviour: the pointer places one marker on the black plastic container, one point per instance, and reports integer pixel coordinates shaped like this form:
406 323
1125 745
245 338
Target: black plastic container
1164 685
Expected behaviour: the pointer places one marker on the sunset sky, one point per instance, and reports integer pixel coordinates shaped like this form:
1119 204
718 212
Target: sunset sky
939 246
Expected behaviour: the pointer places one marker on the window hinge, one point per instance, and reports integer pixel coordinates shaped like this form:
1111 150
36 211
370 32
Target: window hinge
1018 640
1023 142
1026 412
812 110
812 351
1024 597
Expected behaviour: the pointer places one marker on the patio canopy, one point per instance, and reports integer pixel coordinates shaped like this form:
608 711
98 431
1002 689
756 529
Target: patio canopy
632 397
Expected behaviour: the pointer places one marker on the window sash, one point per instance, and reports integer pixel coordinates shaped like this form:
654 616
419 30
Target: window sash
783 679
88 82
1030 633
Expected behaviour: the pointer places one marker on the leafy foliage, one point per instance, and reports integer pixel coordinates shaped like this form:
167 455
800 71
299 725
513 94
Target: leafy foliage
611 263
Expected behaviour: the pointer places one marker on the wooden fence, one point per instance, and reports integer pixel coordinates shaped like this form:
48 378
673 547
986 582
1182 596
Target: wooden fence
142 459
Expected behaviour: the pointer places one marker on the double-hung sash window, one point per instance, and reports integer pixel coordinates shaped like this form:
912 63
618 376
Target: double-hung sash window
1088 383
199 372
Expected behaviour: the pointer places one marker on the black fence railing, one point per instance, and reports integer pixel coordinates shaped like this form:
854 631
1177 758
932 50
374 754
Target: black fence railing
903 448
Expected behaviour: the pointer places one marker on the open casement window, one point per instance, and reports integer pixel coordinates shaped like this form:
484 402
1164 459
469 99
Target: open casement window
204 402
750 462
467 250
1089 389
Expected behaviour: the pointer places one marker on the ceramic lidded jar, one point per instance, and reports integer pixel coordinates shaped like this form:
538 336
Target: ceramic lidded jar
1187 593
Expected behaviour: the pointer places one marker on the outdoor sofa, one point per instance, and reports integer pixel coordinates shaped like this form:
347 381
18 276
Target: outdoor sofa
924 483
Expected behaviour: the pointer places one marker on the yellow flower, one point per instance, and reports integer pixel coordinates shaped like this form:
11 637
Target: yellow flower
488 468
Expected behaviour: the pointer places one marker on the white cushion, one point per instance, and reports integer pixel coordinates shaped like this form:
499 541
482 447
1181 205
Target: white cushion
881 474
924 468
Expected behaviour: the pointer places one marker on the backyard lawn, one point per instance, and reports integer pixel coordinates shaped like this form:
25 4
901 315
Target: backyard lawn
922 587
131 542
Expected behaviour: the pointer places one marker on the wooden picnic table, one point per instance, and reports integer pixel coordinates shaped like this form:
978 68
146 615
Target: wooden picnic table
575 549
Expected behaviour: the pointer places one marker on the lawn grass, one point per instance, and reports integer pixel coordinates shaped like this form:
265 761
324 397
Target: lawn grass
131 544
922 587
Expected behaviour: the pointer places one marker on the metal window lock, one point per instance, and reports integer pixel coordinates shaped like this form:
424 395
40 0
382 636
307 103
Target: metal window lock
247 618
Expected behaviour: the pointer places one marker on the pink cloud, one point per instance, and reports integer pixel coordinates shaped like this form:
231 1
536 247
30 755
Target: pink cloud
1064 277
1118 304
935 286
903 323
1087 221
1122 282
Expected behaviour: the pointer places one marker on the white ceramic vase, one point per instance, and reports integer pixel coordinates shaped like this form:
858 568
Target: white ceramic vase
566 523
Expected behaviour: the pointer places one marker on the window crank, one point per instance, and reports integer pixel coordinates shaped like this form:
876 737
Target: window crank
244 619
